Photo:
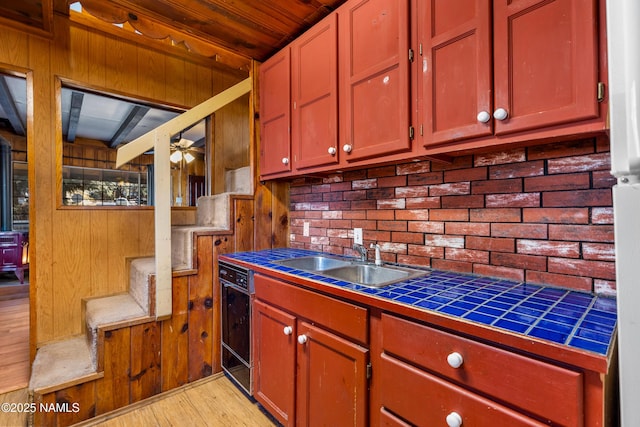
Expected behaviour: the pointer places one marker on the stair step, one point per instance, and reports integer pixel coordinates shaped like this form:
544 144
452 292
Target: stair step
61 363
182 248
109 310
112 309
213 211
139 281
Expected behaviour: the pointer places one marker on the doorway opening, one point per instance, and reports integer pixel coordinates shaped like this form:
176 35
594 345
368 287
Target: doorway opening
14 233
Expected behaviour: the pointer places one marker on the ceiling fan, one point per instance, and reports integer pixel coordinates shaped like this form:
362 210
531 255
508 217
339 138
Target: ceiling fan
182 149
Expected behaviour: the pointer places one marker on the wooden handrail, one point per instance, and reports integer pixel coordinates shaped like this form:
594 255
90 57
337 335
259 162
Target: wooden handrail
159 140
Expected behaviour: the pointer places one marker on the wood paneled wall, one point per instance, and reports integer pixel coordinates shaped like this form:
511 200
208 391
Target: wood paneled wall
78 253
145 359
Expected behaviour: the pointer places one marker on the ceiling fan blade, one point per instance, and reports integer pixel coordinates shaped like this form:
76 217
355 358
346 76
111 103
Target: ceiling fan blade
185 143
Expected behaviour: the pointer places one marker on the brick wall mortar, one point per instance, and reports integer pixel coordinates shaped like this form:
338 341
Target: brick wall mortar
541 214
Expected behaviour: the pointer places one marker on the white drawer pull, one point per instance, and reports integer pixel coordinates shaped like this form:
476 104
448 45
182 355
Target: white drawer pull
455 360
288 330
302 339
454 419
347 148
332 151
285 161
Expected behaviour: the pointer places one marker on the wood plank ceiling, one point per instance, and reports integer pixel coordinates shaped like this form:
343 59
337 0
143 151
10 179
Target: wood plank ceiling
229 32
251 28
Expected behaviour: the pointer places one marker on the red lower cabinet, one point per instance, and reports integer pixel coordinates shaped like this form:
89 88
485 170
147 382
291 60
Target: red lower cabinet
306 370
325 361
547 391
332 382
426 376
423 399
274 361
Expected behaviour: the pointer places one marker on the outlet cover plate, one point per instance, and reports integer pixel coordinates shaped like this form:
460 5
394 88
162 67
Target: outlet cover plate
357 236
305 229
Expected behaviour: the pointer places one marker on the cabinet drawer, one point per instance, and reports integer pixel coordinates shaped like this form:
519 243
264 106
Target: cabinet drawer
387 419
425 400
549 391
9 257
9 239
344 318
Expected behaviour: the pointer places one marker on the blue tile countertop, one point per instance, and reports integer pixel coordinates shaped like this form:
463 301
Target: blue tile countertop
575 319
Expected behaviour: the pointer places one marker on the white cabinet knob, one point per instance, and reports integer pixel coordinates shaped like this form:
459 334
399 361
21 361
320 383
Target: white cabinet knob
332 151
302 339
347 148
455 360
483 117
454 419
288 330
285 160
500 114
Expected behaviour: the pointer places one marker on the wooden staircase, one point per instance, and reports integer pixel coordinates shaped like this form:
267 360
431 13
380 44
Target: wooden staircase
126 353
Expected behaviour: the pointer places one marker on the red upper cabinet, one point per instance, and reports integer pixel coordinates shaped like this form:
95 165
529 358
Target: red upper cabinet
314 90
374 78
502 67
545 56
275 147
456 65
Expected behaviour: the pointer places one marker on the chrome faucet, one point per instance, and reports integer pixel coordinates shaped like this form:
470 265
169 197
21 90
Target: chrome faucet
378 260
362 250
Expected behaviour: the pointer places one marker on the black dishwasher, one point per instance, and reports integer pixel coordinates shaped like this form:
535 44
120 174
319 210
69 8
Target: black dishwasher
236 285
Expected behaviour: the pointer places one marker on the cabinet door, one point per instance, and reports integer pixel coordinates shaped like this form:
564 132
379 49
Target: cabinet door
332 381
314 87
455 75
274 361
545 62
374 77
275 140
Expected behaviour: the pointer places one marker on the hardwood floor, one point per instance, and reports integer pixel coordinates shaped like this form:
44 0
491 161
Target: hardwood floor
13 418
213 401
14 344
11 288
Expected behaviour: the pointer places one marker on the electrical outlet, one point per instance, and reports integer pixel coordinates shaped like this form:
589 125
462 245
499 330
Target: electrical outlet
357 236
305 229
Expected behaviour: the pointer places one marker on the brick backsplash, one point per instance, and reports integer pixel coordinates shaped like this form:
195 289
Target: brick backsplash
541 214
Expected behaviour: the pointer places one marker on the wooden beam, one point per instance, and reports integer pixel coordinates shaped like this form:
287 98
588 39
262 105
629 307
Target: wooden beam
77 98
162 219
9 106
131 121
144 143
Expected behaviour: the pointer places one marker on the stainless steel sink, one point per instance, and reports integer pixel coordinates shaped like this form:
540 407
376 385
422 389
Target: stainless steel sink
314 263
372 275
352 271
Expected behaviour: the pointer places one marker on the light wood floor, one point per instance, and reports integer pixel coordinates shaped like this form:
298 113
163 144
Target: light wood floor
214 401
14 344
14 419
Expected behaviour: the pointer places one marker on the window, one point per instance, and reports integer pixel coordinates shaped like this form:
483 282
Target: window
20 196
103 187
94 125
